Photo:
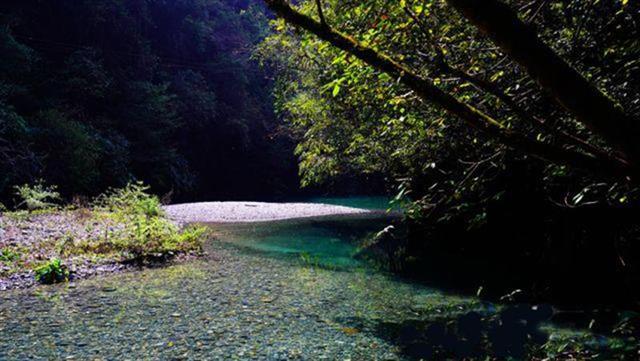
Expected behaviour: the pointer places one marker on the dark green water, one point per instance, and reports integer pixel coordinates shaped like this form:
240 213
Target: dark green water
269 291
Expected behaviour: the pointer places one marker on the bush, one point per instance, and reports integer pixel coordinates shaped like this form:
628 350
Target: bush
130 200
158 237
53 271
146 233
37 196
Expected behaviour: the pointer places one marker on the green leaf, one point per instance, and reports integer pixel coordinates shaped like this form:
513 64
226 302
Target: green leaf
336 90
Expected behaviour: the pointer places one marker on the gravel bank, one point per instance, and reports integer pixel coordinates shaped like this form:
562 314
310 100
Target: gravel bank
235 212
39 237
27 240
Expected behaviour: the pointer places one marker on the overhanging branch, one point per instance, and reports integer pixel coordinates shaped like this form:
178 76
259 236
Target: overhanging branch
429 92
568 87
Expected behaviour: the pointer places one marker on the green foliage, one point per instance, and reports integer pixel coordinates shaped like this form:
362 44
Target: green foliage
160 92
310 260
143 233
54 271
131 200
8 255
37 196
352 119
151 238
77 149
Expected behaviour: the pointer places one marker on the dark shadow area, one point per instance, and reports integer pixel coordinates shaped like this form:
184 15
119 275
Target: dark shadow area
576 257
510 333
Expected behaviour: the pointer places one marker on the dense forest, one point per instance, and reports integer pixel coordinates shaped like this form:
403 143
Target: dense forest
94 94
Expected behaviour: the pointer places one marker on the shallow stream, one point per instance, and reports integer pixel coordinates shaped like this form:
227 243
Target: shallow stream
268 291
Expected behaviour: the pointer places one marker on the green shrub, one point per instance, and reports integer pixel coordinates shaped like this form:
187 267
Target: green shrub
149 207
146 233
152 237
53 271
37 196
130 200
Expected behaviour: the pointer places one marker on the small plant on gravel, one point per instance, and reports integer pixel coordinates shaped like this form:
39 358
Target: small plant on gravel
8 255
53 271
310 260
37 196
11 259
66 245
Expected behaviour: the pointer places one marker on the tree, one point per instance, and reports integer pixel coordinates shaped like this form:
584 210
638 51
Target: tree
355 109
95 93
621 133
567 86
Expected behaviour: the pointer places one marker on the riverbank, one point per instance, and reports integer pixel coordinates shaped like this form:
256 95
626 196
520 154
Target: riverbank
92 241
87 243
45 242
251 297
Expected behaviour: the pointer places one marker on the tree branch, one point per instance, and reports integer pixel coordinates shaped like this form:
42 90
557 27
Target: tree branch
568 87
429 92
493 89
323 21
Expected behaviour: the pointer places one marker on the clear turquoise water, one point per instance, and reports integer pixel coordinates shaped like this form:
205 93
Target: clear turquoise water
325 242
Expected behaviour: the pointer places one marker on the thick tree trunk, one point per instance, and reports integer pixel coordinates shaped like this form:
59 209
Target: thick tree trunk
431 93
587 103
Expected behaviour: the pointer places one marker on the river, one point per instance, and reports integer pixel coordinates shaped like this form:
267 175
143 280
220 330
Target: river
290 290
